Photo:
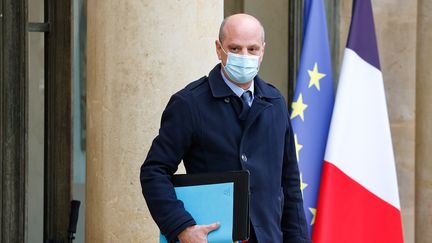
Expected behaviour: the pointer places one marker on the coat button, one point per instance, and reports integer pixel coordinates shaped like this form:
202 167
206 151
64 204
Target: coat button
243 158
227 100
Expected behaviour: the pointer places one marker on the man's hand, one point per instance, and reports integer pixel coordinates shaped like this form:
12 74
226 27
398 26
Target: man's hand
197 233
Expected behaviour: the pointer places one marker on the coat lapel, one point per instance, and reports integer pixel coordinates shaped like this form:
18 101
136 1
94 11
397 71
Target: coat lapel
258 106
263 96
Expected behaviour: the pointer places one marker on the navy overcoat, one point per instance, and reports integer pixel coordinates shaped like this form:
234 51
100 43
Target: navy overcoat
206 126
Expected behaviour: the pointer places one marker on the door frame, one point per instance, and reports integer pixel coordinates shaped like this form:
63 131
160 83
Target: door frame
14 29
58 119
13 121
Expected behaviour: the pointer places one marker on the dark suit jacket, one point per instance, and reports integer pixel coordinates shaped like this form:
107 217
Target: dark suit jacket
205 125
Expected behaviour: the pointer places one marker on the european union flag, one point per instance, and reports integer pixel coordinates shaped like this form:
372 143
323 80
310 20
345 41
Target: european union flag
313 104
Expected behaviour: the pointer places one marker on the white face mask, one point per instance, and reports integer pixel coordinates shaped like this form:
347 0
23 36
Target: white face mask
241 68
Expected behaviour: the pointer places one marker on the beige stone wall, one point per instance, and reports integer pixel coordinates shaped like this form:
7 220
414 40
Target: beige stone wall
423 199
139 53
396 29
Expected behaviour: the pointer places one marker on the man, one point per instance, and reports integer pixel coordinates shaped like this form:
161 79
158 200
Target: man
230 120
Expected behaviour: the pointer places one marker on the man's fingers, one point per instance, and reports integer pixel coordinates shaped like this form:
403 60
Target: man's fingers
211 227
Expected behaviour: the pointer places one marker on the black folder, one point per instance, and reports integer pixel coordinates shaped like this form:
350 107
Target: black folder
240 182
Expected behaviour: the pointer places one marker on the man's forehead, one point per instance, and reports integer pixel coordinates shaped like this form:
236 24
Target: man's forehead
250 43
243 29
243 38
242 24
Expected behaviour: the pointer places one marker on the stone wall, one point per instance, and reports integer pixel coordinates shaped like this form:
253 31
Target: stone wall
423 145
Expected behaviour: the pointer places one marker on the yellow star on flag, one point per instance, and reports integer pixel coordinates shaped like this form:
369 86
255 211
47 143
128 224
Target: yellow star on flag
298 108
302 184
315 77
313 211
297 146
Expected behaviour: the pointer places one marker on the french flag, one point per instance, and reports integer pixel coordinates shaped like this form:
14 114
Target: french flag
358 199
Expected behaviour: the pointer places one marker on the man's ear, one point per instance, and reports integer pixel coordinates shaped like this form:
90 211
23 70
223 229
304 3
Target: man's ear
263 50
218 49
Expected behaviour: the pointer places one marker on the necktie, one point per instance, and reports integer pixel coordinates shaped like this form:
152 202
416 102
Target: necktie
247 98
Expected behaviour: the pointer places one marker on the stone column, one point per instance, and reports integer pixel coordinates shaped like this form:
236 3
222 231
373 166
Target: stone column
139 54
423 199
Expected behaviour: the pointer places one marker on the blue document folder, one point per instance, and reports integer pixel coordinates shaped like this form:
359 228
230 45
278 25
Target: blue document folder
216 197
210 204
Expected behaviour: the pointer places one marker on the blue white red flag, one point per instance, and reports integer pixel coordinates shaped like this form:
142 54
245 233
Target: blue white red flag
358 199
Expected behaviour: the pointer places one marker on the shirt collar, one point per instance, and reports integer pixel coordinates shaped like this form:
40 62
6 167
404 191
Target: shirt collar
220 89
236 89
